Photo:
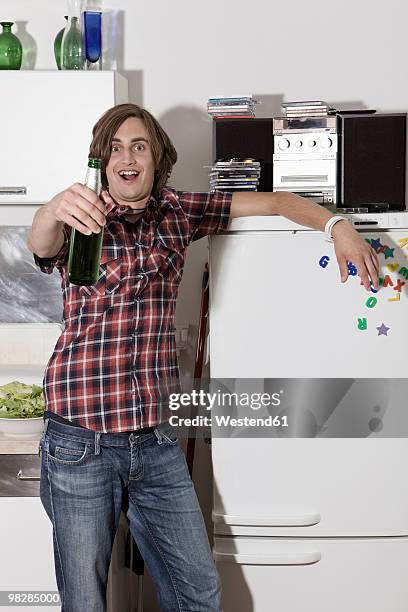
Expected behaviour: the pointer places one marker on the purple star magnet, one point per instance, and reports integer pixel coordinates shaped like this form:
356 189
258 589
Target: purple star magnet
376 244
383 330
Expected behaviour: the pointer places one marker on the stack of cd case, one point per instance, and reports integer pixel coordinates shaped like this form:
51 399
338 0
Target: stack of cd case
232 107
235 174
313 108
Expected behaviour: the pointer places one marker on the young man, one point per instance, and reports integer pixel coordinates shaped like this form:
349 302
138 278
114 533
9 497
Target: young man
107 444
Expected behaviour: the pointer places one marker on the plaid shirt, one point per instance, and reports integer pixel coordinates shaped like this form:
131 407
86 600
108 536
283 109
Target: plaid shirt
115 362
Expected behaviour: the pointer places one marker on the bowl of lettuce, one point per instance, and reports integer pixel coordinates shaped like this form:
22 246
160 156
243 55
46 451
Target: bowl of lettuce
21 409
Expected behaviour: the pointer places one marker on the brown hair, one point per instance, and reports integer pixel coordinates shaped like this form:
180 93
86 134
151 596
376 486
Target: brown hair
163 151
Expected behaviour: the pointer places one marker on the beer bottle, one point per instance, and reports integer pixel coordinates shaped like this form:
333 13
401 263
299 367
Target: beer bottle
85 250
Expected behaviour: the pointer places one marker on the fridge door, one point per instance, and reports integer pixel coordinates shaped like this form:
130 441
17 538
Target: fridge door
310 487
353 574
278 308
278 311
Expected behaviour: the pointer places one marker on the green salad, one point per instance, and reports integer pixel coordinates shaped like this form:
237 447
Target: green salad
21 401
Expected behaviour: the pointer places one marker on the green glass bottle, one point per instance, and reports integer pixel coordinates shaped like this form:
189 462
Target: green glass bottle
57 45
72 52
85 250
11 51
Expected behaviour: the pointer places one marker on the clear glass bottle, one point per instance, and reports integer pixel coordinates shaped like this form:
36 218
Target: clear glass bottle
72 51
85 250
11 51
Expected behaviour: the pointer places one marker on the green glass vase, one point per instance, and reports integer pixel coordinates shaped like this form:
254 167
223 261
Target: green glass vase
57 45
11 51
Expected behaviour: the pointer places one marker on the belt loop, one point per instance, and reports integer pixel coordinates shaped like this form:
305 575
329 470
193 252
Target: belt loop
158 435
47 420
97 438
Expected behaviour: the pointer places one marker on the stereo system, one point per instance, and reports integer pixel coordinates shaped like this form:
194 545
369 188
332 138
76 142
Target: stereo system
350 159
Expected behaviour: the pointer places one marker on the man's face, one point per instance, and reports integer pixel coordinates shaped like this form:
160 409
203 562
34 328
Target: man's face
130 171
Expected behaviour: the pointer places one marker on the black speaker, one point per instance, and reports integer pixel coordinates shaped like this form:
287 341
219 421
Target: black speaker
371 159
246 138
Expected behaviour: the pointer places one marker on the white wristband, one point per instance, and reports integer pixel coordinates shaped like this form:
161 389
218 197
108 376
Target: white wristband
330 224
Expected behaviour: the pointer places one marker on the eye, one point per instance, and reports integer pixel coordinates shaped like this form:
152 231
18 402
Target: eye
115 148
140 146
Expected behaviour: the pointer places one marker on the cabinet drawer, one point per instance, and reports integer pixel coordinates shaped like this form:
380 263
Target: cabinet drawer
20 475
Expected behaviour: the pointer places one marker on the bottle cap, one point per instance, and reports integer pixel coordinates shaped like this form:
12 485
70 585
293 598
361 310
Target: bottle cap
94 162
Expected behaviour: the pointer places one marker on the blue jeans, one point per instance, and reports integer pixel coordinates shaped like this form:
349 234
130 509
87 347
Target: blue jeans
87 478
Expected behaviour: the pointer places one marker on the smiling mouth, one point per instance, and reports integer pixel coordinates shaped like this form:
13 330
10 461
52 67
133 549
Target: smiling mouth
128 176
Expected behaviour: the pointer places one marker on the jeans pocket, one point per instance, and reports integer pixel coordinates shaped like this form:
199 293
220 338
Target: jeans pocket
67 451
168 433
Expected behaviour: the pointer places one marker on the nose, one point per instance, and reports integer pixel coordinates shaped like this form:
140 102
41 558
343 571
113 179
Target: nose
128 156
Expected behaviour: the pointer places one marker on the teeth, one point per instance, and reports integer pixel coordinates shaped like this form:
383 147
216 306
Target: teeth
128 173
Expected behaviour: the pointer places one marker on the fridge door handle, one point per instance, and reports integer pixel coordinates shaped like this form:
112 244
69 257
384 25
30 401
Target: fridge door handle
283 558
288 520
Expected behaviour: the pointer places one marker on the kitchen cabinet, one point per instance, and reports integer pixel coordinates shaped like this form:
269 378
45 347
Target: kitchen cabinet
26 556
26 541
46 128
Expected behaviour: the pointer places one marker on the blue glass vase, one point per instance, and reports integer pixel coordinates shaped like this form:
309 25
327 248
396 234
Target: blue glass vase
92 39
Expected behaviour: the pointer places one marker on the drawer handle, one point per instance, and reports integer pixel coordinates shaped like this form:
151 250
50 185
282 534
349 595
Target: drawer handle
20 476
300 520
301 558
13 190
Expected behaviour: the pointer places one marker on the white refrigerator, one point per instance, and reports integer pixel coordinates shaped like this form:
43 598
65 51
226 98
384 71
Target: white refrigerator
317 518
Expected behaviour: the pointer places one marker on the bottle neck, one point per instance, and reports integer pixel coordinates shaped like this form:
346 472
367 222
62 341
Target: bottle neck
6 27
74 9
94 180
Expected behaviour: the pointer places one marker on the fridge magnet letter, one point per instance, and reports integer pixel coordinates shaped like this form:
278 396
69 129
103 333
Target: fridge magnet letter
362 323
324 261
381 281
376 244
352 270
396 298
389 252
403 242
392 267
383 330
371 287
403 272
371 302
387 281
399 286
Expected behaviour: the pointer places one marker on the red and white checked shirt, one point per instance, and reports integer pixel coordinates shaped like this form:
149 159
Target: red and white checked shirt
115 362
